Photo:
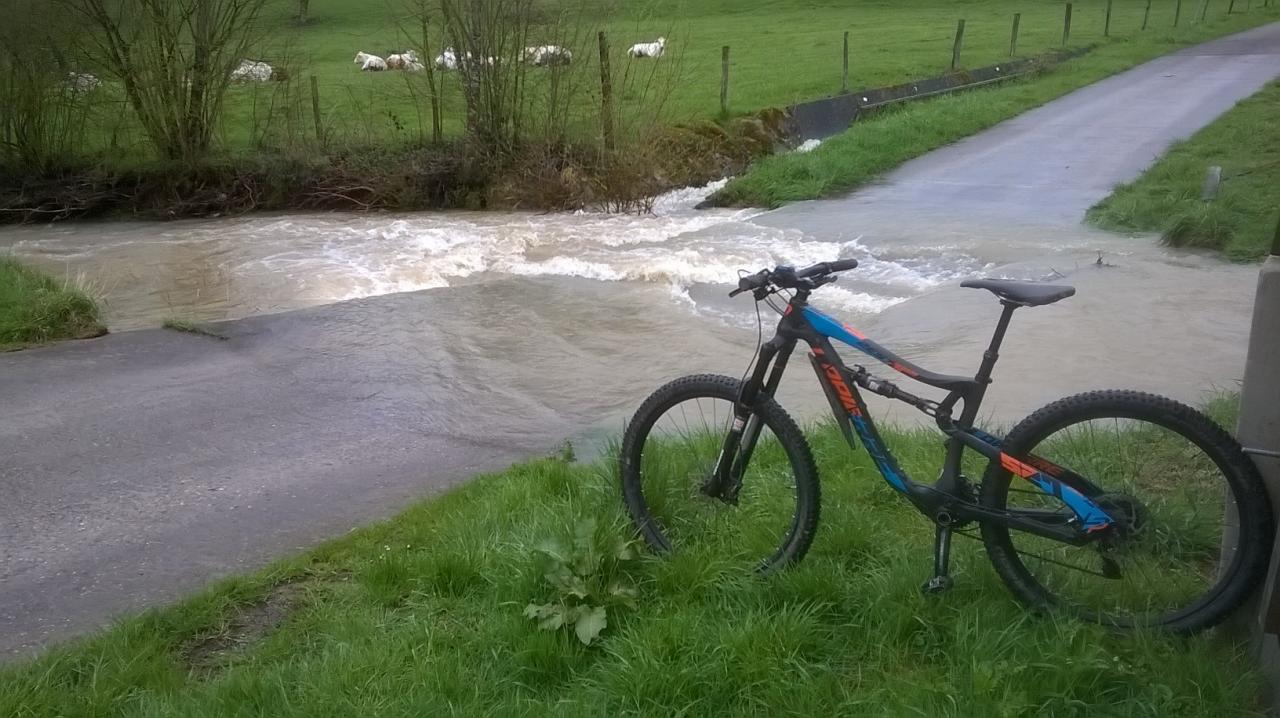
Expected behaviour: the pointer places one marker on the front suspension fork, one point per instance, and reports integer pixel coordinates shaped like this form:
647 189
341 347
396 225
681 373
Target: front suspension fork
725 482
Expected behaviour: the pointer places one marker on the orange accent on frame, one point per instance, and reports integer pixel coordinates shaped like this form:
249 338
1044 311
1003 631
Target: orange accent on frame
854 332
842 390
899 366
1011 464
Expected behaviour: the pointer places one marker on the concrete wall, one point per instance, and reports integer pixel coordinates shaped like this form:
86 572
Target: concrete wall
1259 433
829 116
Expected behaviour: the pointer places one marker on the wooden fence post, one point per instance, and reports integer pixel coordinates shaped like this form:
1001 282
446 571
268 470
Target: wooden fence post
724 80
1146 15
1013 34
315 109
955 48
1106 27
844 73
1066 25
1177 13
606 94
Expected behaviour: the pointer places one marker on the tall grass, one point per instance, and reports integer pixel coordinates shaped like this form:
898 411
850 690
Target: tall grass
35 308
1241 221
421 615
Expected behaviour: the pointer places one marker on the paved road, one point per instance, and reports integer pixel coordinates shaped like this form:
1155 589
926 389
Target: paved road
1051 164
138 466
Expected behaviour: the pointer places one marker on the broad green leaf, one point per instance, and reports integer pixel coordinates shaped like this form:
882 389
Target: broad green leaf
554 619
591 621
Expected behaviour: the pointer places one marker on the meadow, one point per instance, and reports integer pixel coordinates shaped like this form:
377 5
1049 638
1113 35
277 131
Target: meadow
781 52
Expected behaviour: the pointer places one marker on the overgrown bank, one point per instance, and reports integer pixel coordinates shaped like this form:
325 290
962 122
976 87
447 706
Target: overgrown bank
36 308
875 145
422 615
442 176
1240 221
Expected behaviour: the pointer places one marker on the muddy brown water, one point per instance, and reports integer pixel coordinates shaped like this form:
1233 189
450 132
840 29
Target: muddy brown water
1144 316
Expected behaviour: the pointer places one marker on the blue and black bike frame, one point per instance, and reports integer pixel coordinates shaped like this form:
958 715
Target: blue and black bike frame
947 501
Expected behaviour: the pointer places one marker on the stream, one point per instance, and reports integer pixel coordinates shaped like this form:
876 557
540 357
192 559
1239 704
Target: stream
1144 316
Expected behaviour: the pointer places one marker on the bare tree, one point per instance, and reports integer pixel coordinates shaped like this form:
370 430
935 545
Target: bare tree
174 60
303 7
488 38
44 99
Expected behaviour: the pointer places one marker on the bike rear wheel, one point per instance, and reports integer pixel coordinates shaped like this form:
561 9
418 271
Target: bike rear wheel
669 451
1194 521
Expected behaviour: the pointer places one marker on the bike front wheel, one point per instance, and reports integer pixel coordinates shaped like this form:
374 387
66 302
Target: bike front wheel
1192 520
668 456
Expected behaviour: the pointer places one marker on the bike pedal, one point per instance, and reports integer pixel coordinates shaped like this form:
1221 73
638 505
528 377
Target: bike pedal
936 585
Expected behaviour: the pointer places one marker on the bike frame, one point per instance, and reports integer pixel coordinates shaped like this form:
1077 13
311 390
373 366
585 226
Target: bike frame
943 501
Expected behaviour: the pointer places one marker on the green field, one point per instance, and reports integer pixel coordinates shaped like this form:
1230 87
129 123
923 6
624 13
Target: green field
1242 220
782 51
422 615
876 145
35 308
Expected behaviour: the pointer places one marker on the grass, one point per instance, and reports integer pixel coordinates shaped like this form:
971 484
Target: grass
1241 221
782 51
422 615
873 146
35 309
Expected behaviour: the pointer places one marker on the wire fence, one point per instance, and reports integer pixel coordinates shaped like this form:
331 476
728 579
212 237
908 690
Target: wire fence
711 68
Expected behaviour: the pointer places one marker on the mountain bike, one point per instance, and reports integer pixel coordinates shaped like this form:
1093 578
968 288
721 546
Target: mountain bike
1120 507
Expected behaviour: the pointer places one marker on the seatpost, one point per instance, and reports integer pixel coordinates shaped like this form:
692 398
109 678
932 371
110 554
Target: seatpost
974 399
992 353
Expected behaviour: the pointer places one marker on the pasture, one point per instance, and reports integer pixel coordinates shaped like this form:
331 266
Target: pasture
780 52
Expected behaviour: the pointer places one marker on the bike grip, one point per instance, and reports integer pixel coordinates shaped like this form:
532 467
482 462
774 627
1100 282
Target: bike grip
841 265
753 281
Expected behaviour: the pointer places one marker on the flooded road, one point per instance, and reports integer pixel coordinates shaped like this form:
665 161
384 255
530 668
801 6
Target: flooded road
374 359
505 303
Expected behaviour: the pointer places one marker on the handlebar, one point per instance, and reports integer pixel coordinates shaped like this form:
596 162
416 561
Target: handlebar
787 277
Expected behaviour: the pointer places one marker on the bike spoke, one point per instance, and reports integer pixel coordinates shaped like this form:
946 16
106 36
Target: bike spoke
1063 564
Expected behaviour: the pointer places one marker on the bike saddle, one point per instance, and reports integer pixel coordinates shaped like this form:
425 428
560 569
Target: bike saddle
1028 294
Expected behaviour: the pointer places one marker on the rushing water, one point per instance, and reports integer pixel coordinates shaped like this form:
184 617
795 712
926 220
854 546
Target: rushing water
1145 316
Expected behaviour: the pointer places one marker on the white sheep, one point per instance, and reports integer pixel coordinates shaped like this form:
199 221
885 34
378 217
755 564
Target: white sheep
252 71
82 82
649 49
547 55
447 60
451 60
370 63
402 60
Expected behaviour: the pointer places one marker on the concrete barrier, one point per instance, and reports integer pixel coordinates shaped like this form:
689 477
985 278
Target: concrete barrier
1259 433
829 116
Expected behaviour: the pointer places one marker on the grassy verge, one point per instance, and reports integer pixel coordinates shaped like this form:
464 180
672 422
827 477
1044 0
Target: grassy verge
35 309
1241 221
422 615
876 145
